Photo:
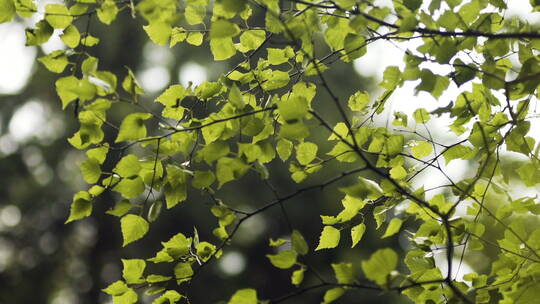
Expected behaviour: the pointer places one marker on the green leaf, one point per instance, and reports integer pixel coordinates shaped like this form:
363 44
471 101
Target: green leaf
421 116
169 297
132 127
235 98
133 271
195 38
284 259
175 248
355 47
40 34
296 130
207 90
274 79
196 11
203 179
391 78
58 16
251 40
91 170
154 211
458 151
107 12
332 294
464 73
7 10
306 152
116 288
25 8
431 83
89 40
154 278
176 187
178 34
55 62
379 213
421 149
299 244
229 169
70 88
133 228
277 243
284 149
344 273
223 29
233 6
183 272
393 227
121 207
329 238
213 151
359 101
222 48
297 276
159 32
398 173
529 174
365 188
346 4
96 190
292 109
131 85
130 187
244 296
357 232
335 33
128 166
71 36
172 96
413 5
206 250
278 56
380 265
81 206
129 297
352 206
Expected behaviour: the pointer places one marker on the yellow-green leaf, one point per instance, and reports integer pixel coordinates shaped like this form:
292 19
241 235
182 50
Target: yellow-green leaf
132 127
71 36
159 32
133 228
55 62
306 152
329 238
284 259
393 227
7 10
133 270
421 148
356 233
380 265
58 16
244 296
81 206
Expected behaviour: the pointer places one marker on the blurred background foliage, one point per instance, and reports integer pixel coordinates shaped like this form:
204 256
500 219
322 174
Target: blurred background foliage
42 260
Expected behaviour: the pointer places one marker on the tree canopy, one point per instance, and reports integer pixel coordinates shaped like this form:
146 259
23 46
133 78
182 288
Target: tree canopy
275 116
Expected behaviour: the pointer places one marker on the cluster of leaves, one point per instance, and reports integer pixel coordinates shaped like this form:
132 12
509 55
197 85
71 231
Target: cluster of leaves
265 110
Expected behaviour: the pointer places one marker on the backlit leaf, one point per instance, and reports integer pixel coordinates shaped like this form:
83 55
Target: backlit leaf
329 238
133 228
